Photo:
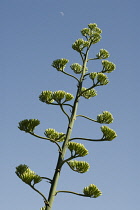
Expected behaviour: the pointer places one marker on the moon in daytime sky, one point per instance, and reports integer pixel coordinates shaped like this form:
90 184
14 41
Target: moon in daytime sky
62 13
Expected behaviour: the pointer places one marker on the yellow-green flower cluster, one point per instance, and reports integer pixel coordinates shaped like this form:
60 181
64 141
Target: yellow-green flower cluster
108 133
102 79
105 117
77 68
79 166
92 33
88 93
54 135
28 125
27 175
92 191
103 54
80 44
78 149
60 64
49 96
108 66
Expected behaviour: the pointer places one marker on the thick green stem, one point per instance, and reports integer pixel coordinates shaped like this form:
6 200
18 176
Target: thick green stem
62 153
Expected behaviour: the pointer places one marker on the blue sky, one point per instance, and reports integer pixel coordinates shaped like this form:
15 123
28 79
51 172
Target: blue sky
33 34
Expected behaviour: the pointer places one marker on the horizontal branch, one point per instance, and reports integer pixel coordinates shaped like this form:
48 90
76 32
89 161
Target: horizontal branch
61 104
63 191
86 139
87 118
92 59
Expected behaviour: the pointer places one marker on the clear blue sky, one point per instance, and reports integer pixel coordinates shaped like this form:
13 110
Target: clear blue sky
33 34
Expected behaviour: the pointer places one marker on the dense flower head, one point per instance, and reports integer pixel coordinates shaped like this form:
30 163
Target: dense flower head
78 148
79 166
60 64
108 66
108 133
106 117
80 44
88 93
103 54
54 135
46 96
27 175
102 79
77 68
92 191
28 125
49 96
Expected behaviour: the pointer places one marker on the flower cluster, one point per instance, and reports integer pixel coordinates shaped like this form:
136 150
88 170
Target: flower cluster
78 149
60 64
105 117
79 166
80 44
92 191
77 68
108 66
88 93
49 96
103 54
54 135
101 78
27 175
108 133
28 125
92 33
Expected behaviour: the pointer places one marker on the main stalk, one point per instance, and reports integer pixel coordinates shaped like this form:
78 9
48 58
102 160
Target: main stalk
68 135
